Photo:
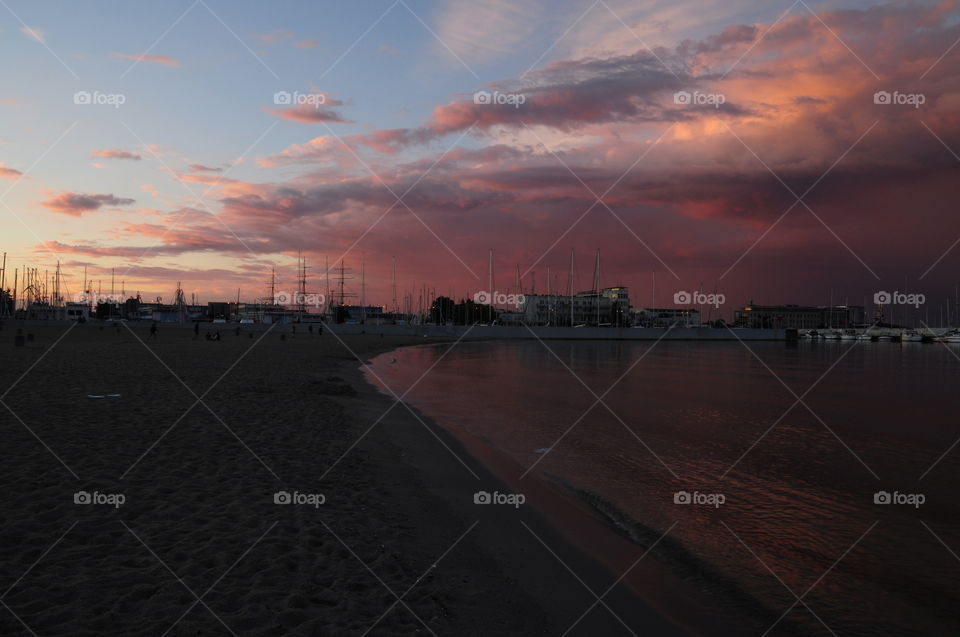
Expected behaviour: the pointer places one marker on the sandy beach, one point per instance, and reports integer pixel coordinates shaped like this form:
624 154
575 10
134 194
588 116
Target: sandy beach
139 497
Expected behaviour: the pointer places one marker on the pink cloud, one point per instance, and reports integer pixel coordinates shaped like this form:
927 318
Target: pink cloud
110 153
9 173
278 35
307 115
319 109
76 204
307 44
165 60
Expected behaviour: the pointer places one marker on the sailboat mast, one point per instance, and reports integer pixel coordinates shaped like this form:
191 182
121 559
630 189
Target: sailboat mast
394 287
571 283
596 284
490 272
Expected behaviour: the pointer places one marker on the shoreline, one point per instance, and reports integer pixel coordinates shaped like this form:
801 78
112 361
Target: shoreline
650 597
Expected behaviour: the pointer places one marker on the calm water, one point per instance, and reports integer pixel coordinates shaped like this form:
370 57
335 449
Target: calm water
690 416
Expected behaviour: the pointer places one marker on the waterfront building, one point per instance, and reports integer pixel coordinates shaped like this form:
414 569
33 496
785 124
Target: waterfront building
800 316
609 307
664 317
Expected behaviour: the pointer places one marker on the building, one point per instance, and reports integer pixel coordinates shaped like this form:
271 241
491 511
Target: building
360 313
135 310
810 317
608 308
664 317
223 310
67 312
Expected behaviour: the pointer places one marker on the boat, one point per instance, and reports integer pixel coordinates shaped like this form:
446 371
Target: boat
911 337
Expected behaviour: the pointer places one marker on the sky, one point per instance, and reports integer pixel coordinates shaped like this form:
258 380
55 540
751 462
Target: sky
785 153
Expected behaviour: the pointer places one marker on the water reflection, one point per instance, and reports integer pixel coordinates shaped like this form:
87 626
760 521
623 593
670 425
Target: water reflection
798 478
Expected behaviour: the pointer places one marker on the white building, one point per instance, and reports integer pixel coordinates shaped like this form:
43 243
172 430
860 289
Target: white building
67 312
608 308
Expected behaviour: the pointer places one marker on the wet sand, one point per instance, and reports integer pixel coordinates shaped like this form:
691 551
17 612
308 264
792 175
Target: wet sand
183 445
